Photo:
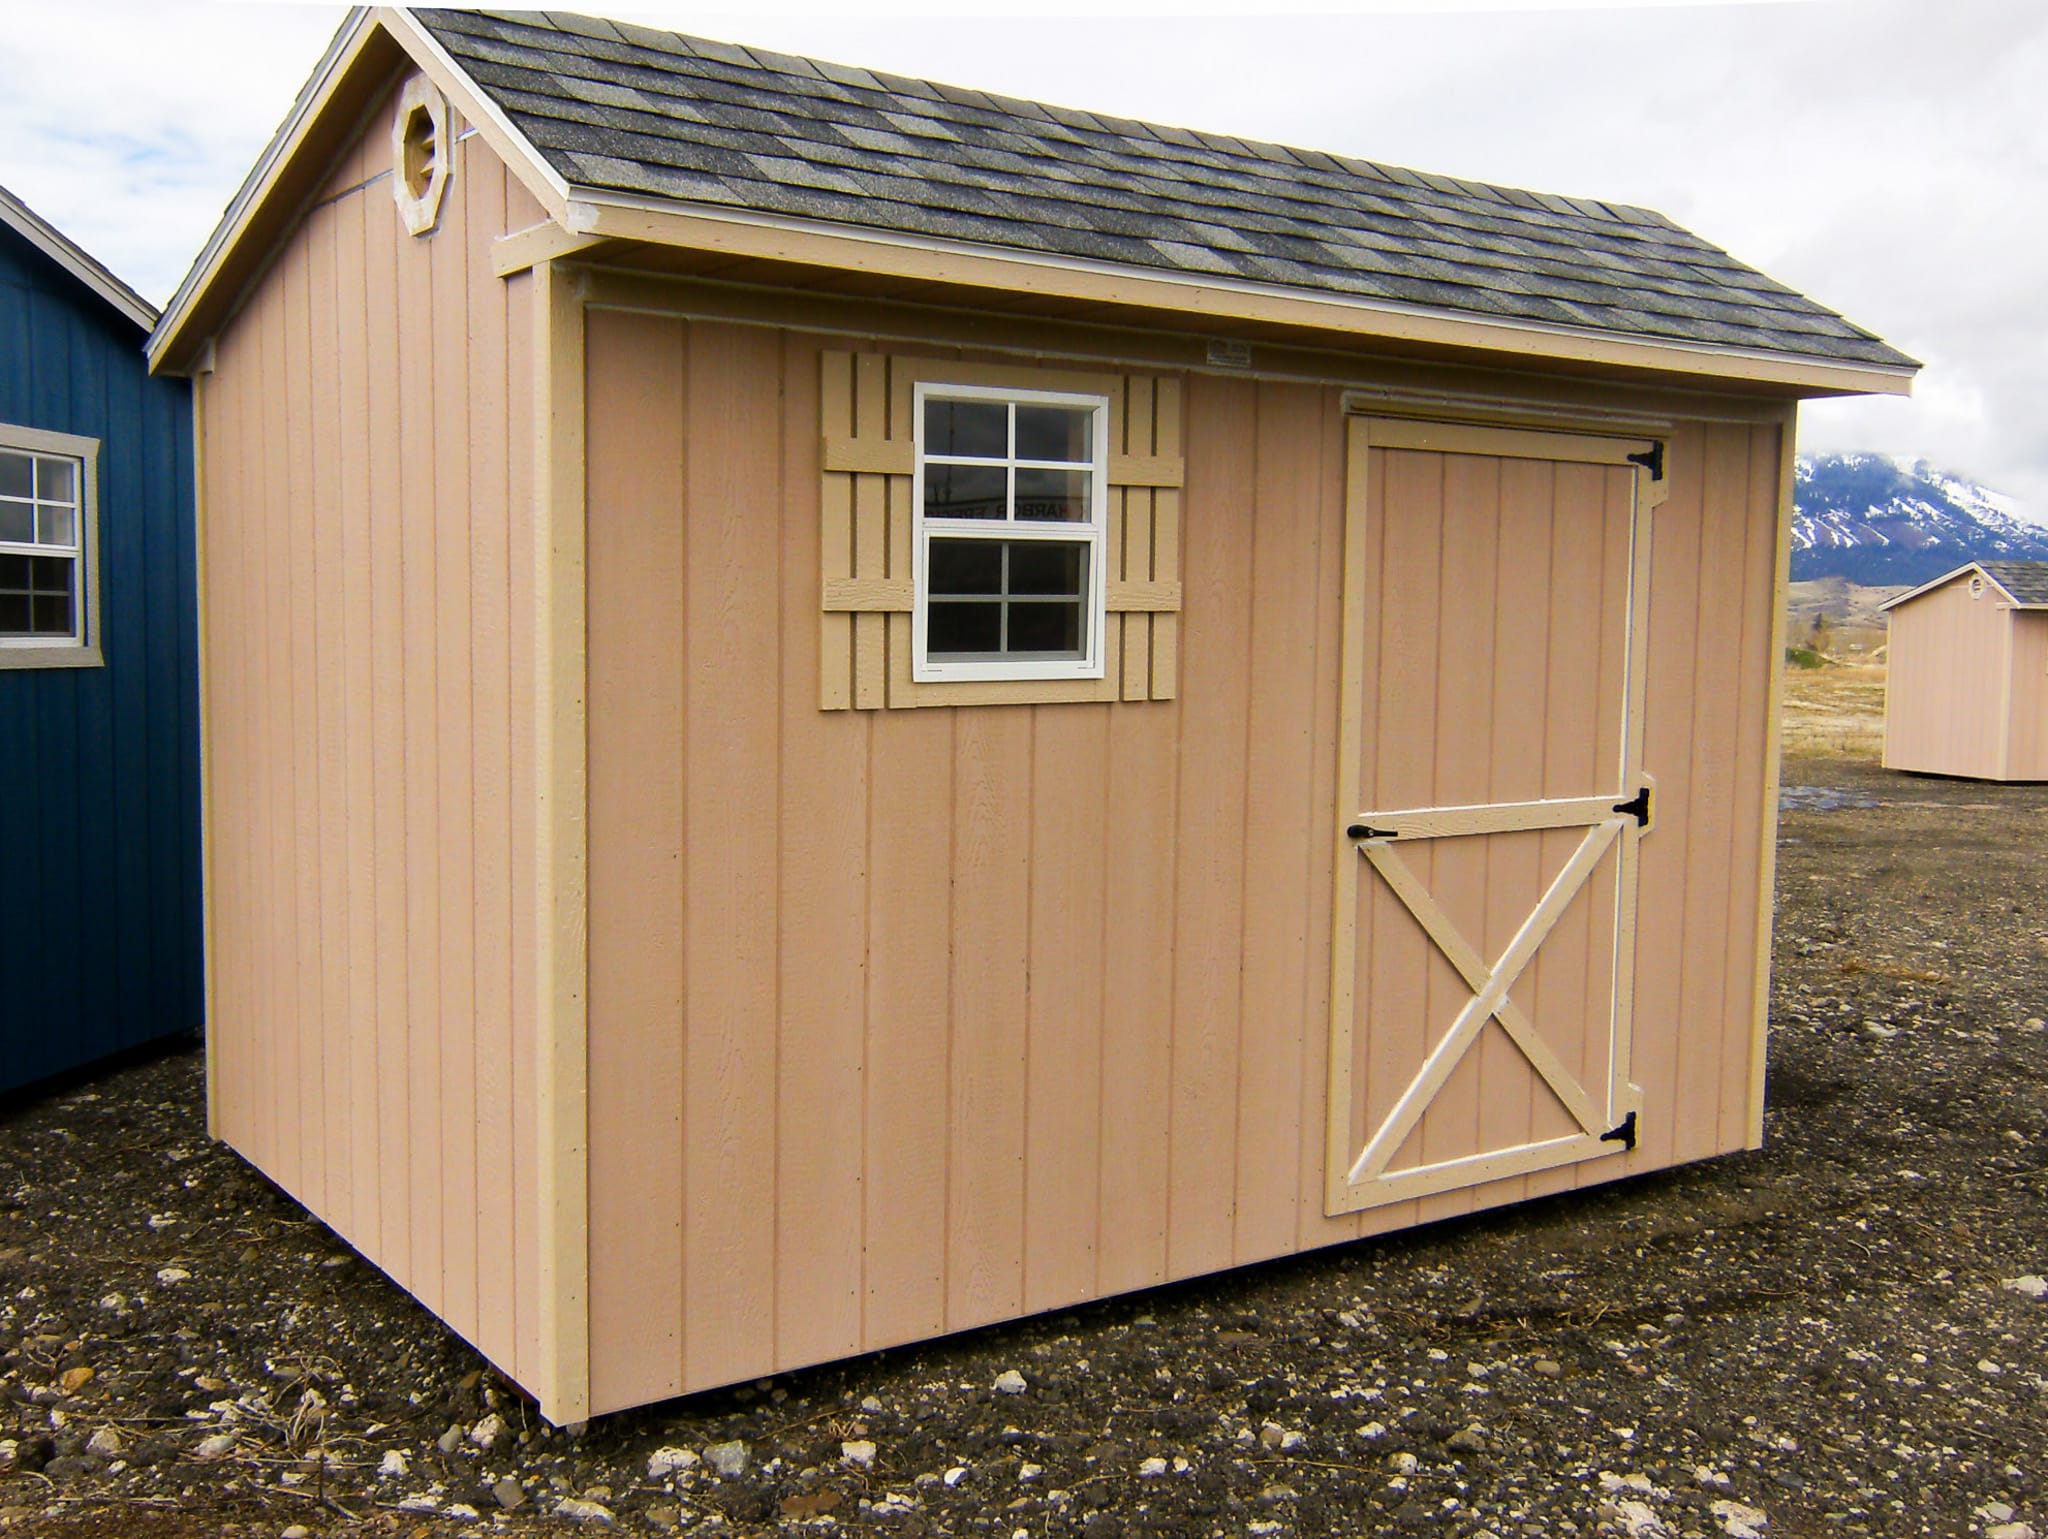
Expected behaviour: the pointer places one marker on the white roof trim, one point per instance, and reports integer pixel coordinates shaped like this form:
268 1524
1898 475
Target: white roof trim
67 254
1948 577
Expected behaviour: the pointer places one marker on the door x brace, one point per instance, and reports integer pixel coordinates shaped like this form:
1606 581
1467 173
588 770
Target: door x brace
1490 986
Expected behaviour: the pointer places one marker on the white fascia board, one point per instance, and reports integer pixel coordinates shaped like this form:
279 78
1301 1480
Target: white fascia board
69 255
586 208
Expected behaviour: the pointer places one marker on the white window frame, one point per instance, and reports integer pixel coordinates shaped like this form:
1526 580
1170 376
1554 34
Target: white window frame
81 649
1094 533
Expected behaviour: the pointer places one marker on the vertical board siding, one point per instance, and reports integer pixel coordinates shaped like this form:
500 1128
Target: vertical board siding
2027 754
905 1022
369 587
1000 1009
1947 711
100 910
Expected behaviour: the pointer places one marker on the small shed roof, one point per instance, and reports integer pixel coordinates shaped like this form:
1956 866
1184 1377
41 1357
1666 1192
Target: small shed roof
636 111
627 135
2024 583
67 254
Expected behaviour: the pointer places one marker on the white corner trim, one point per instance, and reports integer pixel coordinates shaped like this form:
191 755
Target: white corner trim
74 259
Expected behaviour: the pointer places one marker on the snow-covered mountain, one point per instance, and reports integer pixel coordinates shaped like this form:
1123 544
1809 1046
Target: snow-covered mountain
1876 518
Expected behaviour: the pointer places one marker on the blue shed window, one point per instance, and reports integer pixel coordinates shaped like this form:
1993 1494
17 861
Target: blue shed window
46 531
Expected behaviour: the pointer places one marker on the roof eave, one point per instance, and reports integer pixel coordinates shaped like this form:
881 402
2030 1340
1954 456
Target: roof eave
605 215
74 259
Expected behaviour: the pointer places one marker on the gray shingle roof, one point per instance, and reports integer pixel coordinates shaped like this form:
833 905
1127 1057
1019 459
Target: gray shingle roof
2026 581
627 109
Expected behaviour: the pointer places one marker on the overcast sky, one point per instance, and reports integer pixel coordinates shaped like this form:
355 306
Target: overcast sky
1888 157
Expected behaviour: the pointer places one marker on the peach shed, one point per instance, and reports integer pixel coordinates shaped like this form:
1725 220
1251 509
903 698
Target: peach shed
1966 689
839 708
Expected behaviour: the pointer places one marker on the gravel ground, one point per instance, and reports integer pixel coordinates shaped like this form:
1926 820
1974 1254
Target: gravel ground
1841 1334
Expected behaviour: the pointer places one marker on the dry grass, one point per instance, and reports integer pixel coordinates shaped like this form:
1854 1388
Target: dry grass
1837 710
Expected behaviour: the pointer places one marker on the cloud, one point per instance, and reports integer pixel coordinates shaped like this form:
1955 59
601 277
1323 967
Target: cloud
1886 157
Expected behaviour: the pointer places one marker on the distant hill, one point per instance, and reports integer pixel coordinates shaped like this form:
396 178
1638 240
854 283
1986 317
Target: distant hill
1878 519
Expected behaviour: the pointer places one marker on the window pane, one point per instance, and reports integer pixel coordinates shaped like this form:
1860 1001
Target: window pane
1038 627
1057 495
59 526
966 566
18 522
50 574
1055 433
967 427
52 616
1046 566
56 480
17 475
953 629
966 491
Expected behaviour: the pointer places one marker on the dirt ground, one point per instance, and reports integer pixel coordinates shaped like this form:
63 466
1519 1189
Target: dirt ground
1840 1334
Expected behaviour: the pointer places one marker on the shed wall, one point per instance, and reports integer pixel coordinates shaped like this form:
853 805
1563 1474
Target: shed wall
2027 752
99 772
902 1022
369 586
1946 707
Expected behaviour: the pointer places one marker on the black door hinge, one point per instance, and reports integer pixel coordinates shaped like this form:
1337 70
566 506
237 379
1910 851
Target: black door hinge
1651 459
1367 831
1625 1135
1637 807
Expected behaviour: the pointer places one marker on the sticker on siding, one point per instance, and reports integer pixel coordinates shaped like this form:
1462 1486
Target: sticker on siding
1229 353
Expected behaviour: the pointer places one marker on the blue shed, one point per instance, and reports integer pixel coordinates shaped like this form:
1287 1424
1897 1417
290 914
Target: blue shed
99 745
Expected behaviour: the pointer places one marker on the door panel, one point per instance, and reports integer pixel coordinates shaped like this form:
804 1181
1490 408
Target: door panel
1488 769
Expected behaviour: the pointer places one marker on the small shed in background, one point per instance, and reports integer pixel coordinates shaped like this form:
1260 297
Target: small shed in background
100 942
1966 690
818 736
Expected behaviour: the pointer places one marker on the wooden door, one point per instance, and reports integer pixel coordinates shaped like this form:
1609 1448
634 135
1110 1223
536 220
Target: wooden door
1491 799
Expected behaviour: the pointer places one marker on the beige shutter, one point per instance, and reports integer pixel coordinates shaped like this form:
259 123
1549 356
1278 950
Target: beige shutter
865 581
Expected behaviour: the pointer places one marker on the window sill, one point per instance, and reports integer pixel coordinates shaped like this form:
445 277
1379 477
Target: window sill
62 656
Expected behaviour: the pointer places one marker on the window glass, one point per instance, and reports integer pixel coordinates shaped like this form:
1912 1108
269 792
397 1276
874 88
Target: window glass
978 428
994 605
996 598
966 491
56 480
964 630
35 595
42 566
1056 495
1055 433
1046 629
1047 566
966 566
